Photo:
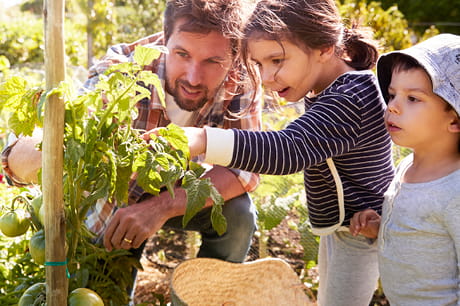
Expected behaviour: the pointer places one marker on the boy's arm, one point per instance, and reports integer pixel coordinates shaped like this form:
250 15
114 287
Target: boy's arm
366 223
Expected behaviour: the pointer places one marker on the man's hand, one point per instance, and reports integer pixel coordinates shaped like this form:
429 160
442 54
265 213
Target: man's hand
366 223
196 139
132 225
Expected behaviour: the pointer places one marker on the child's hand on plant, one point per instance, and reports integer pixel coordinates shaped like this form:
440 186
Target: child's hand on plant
196 138
366 223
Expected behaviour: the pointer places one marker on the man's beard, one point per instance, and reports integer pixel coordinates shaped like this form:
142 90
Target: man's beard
183 103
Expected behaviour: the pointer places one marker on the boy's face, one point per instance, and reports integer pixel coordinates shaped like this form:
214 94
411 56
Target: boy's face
416 117
196 66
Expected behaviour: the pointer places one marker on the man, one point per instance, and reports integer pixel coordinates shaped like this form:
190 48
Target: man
203 86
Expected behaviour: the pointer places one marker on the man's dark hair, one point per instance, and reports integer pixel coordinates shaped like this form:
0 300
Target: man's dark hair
202 16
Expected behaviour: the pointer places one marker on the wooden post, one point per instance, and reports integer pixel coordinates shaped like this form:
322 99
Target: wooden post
52 161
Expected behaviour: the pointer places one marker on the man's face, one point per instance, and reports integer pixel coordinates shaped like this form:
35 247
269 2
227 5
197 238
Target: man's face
196 66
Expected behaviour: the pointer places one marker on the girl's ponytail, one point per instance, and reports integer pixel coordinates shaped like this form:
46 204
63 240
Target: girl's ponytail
359 49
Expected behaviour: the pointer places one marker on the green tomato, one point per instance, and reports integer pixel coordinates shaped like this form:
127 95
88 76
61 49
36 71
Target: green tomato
37 204
37 247
41 214
34 295
84 297
14 223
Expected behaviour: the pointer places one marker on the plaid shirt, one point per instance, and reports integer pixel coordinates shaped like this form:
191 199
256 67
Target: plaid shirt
215 113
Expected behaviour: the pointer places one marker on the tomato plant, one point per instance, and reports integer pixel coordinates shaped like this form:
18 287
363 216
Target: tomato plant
102 152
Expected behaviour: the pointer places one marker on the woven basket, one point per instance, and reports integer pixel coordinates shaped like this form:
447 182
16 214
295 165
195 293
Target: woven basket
207 281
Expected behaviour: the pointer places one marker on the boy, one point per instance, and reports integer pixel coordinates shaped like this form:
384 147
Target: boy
419 234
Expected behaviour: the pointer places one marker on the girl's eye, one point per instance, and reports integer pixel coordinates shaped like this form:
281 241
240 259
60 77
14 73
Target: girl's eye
277 61
390 96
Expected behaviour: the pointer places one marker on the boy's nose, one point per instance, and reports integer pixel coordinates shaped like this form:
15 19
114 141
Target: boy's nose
392 106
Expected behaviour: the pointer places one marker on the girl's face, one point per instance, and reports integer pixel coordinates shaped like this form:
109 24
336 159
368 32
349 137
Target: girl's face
285 68
416 117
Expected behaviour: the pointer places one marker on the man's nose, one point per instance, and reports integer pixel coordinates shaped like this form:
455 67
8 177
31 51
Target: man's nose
194 74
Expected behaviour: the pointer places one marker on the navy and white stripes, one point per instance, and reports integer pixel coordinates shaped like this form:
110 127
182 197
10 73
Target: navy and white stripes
345 122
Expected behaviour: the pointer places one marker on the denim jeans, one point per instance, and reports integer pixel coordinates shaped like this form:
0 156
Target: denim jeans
234 244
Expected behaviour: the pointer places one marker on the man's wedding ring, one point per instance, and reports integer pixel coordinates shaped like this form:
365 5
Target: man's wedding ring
127 240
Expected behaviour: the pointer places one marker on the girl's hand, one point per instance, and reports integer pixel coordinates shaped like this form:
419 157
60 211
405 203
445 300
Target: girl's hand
196 139
366 223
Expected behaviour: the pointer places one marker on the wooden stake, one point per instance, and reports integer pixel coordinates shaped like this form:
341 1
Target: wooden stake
52 162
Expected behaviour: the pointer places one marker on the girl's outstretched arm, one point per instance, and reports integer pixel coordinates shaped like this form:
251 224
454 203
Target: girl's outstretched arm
366 223
196 137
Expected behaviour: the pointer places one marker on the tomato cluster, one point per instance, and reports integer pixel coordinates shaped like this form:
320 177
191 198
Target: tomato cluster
36 295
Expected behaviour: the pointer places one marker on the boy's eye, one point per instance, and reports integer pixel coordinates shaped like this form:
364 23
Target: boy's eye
412 99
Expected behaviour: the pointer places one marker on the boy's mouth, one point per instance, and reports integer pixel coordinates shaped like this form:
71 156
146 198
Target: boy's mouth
392 127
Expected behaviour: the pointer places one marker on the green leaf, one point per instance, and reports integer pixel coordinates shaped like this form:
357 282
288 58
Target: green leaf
150 78
198 190
274 211
196 168
4 63
218 221
146 55
147 174
175 135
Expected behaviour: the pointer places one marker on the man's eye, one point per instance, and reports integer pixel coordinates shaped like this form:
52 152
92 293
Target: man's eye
182 54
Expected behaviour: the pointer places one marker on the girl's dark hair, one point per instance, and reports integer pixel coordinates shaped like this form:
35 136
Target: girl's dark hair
313 24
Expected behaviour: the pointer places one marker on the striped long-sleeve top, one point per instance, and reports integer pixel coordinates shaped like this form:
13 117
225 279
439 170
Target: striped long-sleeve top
346 123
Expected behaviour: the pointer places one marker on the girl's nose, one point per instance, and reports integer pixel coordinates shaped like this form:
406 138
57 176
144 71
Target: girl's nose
267 76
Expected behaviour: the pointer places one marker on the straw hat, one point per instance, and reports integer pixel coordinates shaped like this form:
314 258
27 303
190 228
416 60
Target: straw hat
208 281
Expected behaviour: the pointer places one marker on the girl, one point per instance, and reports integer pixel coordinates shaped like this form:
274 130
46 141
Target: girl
302 51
